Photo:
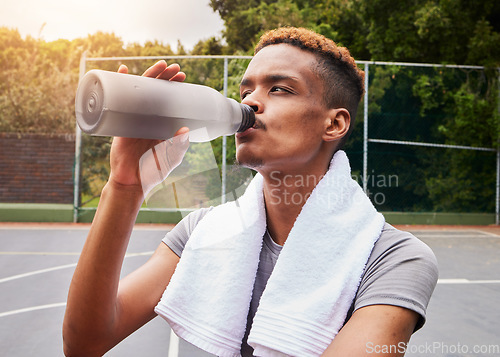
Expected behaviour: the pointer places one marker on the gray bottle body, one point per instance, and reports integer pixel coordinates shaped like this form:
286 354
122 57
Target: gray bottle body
116 104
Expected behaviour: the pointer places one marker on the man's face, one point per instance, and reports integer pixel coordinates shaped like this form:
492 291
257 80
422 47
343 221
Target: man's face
290 114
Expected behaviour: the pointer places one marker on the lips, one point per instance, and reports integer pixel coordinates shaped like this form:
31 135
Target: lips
256 126
245 133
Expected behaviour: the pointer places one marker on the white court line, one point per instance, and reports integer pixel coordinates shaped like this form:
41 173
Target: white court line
467 281
68 253
490 234
39 253
128 255
35 272
36 227
83 227
174 340
173 348
32 308
173 345
479 235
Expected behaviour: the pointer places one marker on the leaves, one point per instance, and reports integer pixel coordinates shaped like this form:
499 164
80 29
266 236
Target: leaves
38 81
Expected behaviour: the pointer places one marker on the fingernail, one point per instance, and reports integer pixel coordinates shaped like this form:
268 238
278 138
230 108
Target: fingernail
184 137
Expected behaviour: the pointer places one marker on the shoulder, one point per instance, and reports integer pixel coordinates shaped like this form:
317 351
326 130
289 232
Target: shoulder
401 271
177 238
396 246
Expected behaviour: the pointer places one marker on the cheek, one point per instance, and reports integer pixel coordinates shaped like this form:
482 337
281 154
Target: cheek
294 141
300 124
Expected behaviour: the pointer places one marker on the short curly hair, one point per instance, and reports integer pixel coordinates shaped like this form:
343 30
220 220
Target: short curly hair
343 80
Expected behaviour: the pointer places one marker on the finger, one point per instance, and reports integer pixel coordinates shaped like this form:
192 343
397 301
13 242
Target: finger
182 131
179 77
170 72
156 69
123 69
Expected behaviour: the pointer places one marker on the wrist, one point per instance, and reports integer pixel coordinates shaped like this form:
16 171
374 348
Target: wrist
129 193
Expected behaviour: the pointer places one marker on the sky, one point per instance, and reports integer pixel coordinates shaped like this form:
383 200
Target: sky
133 21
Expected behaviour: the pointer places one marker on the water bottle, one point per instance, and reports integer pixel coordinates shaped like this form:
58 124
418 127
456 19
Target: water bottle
117 104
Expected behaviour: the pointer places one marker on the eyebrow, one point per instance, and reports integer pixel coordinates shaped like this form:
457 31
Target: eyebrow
270 79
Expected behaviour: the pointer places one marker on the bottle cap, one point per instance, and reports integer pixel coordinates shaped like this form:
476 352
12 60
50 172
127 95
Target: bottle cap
247 118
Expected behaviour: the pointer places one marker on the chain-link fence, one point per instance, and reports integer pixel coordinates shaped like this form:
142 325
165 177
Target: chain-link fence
429 138
206 176
425 140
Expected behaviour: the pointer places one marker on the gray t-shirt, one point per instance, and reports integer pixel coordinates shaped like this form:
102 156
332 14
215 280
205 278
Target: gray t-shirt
401 270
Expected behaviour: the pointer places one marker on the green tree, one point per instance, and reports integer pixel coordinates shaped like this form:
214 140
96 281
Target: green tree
246 20
435 105
444 31
150 48
36 85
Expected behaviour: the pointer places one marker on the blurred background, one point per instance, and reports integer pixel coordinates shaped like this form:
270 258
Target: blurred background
425 144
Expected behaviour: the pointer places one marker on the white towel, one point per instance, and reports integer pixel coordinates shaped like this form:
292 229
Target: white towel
207 300
313 284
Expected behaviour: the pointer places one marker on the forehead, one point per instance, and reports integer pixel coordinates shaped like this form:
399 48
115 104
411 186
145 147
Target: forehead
282 59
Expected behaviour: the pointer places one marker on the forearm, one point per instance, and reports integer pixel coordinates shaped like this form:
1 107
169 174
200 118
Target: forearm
373 329
92 299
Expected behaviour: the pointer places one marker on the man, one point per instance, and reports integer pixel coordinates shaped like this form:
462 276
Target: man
304 91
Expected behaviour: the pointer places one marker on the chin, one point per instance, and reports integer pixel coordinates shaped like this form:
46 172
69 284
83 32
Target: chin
248 161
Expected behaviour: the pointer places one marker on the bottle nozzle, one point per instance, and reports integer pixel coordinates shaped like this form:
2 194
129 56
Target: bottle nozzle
247 118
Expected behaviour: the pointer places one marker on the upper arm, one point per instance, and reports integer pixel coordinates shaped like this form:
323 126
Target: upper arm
140 291
391 300
375 330
402 271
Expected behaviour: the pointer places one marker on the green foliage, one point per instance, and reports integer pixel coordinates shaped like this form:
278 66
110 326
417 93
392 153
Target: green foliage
38 80
441 31
435 105
461 185
36 85
95 165
245 21
445 31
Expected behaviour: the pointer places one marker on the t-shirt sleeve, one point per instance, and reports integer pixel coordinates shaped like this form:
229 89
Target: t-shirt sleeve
177 238
401 271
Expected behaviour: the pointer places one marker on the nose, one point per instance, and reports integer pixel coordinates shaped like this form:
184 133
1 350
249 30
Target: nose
252 101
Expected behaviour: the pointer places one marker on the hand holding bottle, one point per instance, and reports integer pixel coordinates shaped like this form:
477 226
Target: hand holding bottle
138 163
118 104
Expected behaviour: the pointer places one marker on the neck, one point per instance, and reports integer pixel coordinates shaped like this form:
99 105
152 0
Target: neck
285 193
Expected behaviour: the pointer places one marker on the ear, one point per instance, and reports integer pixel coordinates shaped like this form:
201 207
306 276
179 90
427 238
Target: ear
337 124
